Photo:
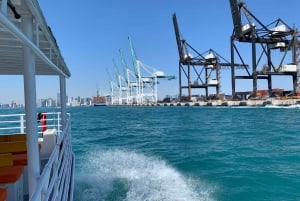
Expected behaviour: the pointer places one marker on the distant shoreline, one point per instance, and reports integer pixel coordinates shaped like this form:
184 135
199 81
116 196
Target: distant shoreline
257 103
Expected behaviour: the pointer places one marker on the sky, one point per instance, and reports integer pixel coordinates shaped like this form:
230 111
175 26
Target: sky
90 34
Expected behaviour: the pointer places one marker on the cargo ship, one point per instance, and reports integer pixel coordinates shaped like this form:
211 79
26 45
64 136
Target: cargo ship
99 101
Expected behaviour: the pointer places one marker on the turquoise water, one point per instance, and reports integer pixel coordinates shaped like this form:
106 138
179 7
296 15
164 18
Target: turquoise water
186 153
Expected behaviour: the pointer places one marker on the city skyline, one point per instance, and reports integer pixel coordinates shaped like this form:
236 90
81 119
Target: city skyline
51 102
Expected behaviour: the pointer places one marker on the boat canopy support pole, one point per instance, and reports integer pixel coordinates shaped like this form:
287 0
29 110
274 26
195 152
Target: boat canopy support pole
4 6
30 107
63 95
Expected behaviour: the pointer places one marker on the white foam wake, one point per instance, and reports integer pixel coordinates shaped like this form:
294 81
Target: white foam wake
277 106
129 176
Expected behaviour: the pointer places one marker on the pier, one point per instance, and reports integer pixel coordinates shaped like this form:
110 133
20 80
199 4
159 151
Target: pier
225 103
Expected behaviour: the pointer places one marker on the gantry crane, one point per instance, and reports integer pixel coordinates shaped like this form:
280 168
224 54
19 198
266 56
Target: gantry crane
131 80
114 91
201 70
147 78
265 40
122 86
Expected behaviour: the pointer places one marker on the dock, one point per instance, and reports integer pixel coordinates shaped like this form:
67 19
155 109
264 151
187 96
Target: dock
226 103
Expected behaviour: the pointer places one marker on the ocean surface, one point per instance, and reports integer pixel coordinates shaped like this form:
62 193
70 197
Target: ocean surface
186 153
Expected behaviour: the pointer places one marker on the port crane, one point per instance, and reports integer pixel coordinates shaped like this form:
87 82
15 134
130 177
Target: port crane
122 86
130 79
115 97
147 78
201 70
276 38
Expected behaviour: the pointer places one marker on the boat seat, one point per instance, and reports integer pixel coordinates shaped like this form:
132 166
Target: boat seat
13 147
6 160
9 159
12 178
13 137
3 194
19 159
10 174
15 152
13 161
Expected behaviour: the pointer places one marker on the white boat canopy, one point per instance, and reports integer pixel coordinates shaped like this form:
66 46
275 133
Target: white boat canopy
48 58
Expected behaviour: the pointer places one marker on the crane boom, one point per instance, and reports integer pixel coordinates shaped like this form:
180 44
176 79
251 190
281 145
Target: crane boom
124 65
133 56
178 39
236 18
117 74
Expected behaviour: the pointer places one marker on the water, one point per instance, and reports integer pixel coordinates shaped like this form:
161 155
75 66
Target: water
186 153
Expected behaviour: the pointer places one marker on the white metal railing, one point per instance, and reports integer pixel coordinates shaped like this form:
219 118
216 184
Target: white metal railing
12 123
15 123
57 178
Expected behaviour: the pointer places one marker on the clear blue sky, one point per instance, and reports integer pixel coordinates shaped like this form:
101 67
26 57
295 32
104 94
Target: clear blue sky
89 34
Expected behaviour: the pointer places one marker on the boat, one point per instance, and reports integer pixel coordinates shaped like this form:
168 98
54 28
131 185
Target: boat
99 100
36 157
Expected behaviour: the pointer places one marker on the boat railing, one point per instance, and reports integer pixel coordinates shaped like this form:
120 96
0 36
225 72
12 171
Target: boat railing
56 177
12 123
16 123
